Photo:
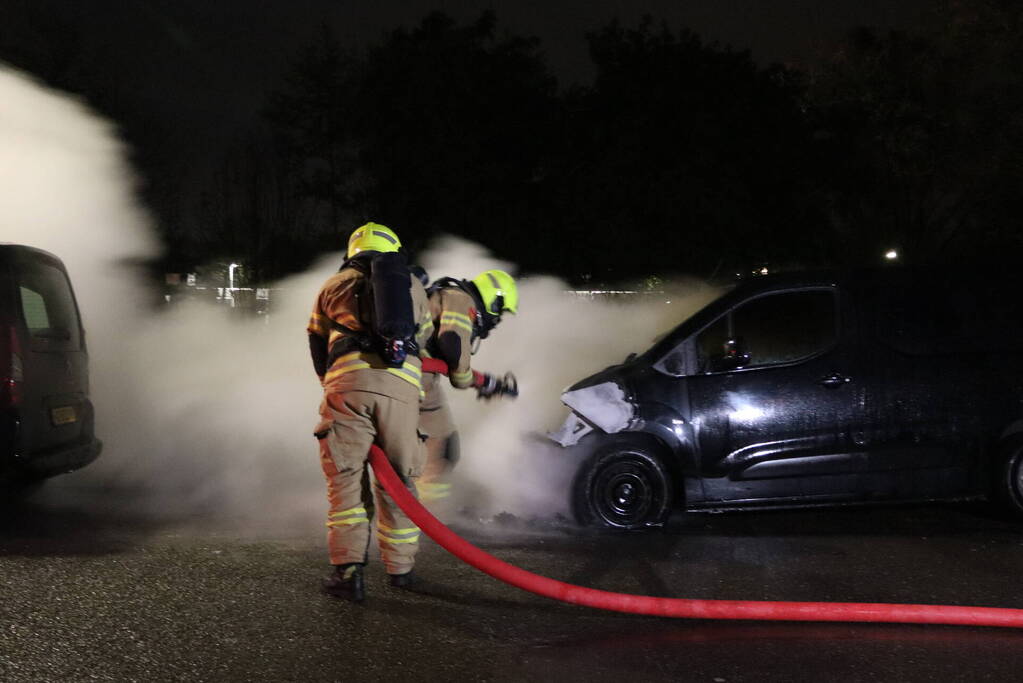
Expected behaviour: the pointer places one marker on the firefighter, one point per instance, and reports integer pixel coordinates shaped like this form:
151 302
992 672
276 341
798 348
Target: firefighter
362 336
463 312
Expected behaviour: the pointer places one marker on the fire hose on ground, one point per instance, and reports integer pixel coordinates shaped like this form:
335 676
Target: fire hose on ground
757 610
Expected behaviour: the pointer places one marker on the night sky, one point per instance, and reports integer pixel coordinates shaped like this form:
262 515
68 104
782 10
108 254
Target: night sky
185 80
205 67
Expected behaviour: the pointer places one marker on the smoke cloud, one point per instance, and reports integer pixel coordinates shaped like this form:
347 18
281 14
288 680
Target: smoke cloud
211 414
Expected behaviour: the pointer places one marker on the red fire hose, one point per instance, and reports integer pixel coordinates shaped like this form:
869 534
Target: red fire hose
760 610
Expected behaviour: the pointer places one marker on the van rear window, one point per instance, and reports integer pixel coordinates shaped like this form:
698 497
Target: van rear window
48 307
34 309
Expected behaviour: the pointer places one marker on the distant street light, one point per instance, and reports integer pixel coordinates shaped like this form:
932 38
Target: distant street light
891 255
230 274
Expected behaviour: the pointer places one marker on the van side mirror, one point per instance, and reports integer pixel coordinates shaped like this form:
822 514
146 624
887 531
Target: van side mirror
734 355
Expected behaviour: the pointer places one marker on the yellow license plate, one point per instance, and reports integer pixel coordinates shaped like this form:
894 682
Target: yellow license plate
63 415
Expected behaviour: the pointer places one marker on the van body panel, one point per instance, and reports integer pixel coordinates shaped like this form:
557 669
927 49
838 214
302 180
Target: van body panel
907 398
49 428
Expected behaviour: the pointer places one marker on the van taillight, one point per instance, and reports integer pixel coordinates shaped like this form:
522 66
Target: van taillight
13 370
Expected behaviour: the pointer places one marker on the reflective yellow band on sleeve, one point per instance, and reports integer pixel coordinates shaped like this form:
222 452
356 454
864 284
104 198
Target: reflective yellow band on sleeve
318 324
456 320
462 377
448 316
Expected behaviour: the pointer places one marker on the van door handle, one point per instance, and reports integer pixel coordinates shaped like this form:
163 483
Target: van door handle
834 380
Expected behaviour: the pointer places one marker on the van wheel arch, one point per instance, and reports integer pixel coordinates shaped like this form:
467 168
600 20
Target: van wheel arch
627 482
1007 476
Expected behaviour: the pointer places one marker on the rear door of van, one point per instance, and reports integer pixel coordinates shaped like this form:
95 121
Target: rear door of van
54 394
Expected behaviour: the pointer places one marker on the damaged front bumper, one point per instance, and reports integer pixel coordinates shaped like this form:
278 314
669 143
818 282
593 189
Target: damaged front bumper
573 429
601 406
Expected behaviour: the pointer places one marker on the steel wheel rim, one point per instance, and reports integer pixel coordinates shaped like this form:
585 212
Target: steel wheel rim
624 492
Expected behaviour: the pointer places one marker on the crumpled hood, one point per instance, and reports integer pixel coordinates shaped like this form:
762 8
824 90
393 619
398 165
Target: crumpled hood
601 400
612 373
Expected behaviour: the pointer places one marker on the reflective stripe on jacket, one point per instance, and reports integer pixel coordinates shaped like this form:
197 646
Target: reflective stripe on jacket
337 301
454 314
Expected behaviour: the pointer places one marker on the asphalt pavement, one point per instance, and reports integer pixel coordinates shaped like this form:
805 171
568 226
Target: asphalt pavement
91 592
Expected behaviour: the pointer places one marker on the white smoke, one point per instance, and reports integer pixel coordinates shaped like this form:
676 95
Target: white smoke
208 412
558 338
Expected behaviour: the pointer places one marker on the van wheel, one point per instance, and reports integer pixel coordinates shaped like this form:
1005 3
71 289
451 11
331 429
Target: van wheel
622 486
1007 489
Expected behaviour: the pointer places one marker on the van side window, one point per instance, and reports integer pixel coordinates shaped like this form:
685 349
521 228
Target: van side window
785 327
710 344
48 307
778 328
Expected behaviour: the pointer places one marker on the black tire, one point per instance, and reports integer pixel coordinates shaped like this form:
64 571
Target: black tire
1007 487
623 485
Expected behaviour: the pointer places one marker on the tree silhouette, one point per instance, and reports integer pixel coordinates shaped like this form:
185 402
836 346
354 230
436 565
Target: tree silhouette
681 156
437 129
922 135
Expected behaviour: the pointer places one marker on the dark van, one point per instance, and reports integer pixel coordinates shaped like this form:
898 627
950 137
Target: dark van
810 389
46 417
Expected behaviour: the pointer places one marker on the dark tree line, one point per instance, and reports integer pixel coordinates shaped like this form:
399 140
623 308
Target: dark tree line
922 137
681 156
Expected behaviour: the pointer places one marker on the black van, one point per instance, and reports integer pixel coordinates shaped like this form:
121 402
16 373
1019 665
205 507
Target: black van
810 389
46 417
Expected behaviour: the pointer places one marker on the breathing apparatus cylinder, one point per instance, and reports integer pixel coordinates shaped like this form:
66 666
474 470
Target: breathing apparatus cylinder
394 320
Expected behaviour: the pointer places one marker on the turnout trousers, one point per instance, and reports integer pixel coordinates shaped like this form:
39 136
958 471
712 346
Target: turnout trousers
355 415
442 447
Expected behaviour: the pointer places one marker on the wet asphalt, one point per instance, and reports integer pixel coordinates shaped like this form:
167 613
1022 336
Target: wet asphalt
90 593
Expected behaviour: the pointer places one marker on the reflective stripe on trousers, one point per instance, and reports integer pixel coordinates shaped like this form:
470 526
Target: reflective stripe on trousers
429 492
355 515
406 535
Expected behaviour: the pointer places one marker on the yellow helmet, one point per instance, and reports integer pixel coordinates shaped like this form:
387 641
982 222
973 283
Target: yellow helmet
498 291
372 237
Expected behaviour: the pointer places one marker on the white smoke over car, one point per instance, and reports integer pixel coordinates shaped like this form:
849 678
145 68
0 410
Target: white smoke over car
212 414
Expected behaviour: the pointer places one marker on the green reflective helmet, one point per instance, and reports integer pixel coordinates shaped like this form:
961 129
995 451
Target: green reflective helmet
498 291
372 237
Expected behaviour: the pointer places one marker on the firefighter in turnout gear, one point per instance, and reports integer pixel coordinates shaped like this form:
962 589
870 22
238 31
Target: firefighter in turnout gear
363 340
462 313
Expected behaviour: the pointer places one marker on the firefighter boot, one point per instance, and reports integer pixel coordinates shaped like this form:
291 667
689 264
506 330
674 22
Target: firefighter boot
406 580
346 582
